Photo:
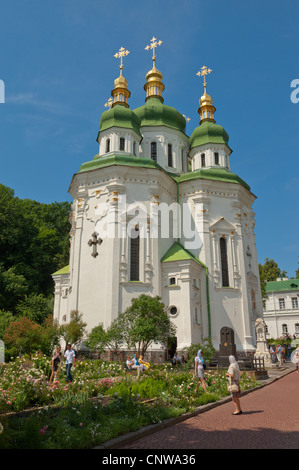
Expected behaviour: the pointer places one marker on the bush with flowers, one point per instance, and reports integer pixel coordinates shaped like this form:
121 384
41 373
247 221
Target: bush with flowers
134 401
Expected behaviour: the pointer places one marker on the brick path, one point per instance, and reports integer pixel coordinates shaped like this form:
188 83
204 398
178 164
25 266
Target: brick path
270 420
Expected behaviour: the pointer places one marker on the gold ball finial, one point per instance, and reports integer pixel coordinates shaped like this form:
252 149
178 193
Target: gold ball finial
206 109
120 93
154 86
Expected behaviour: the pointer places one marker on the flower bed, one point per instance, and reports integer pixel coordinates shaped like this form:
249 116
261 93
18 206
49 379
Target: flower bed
160 393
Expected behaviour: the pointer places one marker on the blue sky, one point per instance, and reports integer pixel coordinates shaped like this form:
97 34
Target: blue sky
56 60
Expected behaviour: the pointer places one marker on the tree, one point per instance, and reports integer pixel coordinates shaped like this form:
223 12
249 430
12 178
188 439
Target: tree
13 287
5 319
145 322
269 271
24 334
50 336
114 338
97 339
35 307
34 243
74 331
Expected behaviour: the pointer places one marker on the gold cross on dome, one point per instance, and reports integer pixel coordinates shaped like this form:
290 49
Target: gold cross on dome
187 118
153 45
119 55
204 72
109 103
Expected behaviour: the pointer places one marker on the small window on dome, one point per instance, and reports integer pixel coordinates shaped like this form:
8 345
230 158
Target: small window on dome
134 148
122 143
170 162
154 151
107 145
203 159
216 158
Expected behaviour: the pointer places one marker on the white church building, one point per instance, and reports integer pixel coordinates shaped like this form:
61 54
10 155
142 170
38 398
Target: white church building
157 212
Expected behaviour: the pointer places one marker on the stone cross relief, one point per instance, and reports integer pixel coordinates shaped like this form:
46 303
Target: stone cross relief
94 241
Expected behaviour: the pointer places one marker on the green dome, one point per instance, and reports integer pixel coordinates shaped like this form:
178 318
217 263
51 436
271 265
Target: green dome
120 116
155 113
208 132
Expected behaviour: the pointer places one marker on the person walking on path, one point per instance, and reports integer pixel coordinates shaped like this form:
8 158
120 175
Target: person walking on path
70 361
199 369
56 361
279 353
296 358
233 373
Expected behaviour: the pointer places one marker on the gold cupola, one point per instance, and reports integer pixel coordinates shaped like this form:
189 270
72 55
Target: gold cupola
206 109
120 92
154 86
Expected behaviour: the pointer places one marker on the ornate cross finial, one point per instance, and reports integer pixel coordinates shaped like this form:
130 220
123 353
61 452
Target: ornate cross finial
94 242
187 118
109 103
204 72
119 55
153 45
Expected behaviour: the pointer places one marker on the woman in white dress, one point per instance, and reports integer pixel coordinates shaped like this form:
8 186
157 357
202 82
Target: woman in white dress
233 373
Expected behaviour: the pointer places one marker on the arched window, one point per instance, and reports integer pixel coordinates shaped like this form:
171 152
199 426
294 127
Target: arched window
170 155
253 300
134 148
154 151
183 160
203 159
107 145
216 158
224 263
134 255
122 143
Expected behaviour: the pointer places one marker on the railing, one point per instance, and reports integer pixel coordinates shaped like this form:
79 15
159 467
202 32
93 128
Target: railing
258 363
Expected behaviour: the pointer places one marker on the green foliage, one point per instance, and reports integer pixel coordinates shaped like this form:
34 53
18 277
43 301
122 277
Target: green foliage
34 243
269 271
96 340
5 319
24 334
36 307
74 331
13 287
145 322
207 349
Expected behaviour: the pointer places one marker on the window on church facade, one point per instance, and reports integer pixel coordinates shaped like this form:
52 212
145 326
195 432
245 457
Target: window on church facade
170 162
282 305
294 302
216 158
203 159
134 255
122 143
296 327
107 145
134 148
172 281
173 310
154 151
284 328
224 263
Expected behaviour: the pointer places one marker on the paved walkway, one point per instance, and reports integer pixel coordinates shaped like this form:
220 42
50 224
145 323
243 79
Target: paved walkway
270 420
